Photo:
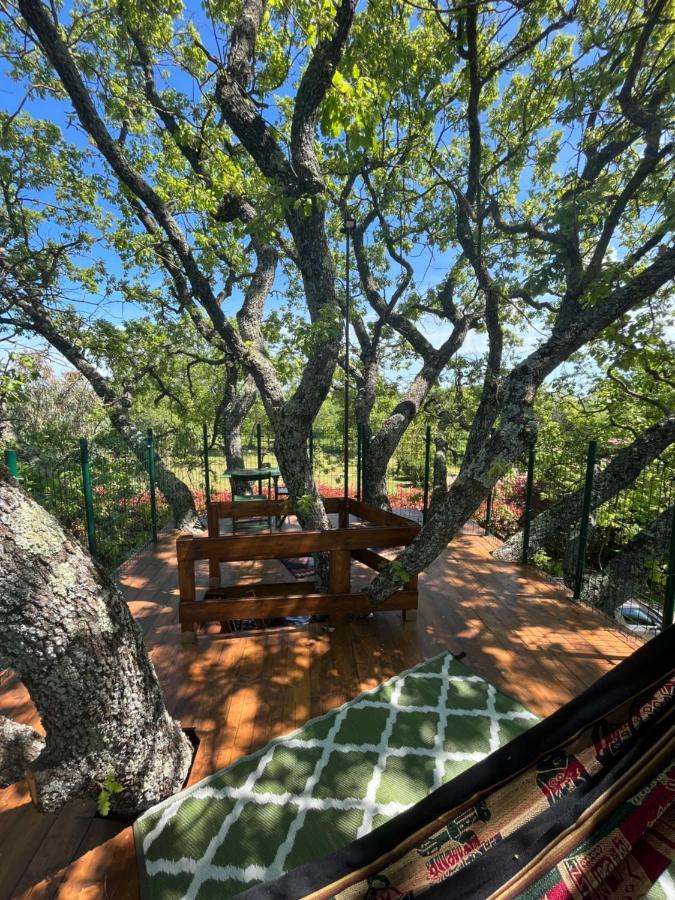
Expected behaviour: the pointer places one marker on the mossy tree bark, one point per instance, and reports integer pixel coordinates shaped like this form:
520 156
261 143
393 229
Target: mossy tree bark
68 634
19 746
238 398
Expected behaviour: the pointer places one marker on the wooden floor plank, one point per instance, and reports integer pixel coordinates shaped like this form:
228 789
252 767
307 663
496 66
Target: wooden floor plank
517 629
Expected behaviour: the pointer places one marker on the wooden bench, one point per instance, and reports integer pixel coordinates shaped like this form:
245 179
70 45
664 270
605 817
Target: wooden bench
279 600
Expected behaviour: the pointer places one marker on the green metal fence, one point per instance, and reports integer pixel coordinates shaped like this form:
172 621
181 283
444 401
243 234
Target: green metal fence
624 553
109 498
101 492
121 499
407 479
56 484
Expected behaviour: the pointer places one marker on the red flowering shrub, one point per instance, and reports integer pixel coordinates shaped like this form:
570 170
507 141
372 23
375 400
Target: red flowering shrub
508 506
410 498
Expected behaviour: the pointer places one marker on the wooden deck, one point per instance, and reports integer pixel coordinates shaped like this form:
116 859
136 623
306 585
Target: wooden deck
516 629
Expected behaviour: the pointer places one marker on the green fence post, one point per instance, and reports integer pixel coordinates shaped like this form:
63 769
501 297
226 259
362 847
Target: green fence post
427 471
528 507
207 474
151 476
359 450
11 463
669 603
88 496
258 439
488 513
585 516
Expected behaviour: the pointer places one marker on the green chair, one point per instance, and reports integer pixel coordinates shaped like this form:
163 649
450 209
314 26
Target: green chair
241 492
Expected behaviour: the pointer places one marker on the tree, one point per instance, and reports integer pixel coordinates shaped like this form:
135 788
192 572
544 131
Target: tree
68 634
542 167
379 446
294 183
386 157
34 267
551 252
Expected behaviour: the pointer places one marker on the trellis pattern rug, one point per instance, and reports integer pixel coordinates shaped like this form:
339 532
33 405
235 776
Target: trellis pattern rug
335 779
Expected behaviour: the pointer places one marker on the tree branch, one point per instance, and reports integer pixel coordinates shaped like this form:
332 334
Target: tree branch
314 84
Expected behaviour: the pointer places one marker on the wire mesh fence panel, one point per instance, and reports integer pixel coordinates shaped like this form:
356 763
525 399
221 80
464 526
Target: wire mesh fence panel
179 450
219 484
614 553
502 513
121 499
326 448
406 475
255 443
558 478
257 451
328 463
353 463
627 552
57 485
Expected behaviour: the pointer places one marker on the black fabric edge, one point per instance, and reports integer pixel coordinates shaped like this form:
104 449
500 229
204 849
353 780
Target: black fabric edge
626 680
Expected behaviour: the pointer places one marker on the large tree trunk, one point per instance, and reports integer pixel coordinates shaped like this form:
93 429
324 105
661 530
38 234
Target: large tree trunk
233 447
291 446
237 404
620 472
69 636
376 456
379 450
440 477
624 576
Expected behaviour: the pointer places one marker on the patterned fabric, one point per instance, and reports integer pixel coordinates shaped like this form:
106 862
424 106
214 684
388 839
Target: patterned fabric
604 802
624 857
332 781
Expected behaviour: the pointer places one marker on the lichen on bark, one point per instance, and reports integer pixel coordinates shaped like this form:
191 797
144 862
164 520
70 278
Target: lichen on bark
69 636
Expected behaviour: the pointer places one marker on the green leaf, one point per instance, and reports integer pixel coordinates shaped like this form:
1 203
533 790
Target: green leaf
400 572
103 803
112 785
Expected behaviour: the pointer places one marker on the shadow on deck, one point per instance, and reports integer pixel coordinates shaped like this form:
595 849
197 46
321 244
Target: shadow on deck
517 630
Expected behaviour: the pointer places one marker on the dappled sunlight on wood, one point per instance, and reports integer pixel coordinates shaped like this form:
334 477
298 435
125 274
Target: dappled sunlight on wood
518 630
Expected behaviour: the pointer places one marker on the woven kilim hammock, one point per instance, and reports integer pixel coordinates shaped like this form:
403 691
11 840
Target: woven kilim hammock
581 805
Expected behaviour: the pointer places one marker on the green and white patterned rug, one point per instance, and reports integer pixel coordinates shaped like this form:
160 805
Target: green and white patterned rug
335 779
